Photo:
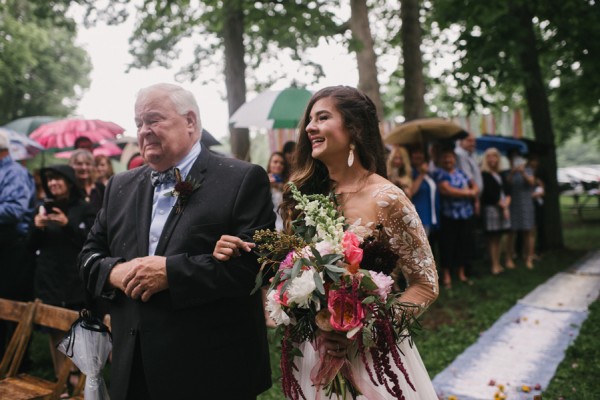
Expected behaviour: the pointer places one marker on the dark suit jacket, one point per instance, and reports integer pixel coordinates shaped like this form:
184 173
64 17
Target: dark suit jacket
205 336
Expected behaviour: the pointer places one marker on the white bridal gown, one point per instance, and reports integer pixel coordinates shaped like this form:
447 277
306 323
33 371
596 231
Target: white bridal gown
381 202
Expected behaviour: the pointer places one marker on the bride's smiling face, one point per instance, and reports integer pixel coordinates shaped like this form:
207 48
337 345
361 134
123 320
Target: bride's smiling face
326 132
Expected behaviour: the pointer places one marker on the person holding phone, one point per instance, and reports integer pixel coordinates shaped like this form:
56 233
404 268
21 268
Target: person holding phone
60 228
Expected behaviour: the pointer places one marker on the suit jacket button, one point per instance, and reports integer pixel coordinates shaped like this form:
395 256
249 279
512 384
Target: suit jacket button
132 332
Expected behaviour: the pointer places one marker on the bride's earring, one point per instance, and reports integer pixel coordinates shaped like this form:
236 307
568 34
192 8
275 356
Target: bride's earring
351 155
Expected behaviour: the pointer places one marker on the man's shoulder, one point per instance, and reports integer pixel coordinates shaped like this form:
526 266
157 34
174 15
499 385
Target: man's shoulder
15 171
131 176
233 165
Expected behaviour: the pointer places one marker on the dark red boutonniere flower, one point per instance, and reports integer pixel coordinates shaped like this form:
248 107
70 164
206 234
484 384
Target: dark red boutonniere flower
182 190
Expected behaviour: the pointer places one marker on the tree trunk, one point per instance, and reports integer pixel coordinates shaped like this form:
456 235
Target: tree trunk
365 54
235 73
537 102
414 86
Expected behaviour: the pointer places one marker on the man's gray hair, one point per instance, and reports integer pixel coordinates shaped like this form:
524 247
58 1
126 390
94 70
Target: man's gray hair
183 99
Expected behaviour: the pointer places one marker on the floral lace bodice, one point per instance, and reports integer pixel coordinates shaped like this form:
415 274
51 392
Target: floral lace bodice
381 202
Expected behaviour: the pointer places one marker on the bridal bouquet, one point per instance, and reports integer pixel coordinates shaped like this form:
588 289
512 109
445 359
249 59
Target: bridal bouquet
326 276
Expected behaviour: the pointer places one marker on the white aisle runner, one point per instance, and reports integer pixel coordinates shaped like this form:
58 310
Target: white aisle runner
525 346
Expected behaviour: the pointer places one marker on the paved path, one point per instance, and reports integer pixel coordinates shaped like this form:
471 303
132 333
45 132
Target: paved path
525 346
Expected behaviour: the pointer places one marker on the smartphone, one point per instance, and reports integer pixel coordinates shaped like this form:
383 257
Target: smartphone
49 204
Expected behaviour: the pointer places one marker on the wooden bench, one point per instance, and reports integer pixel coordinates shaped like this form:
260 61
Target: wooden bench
27 387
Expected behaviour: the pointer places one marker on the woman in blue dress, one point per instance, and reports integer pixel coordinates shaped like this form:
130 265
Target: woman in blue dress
424 193
457 194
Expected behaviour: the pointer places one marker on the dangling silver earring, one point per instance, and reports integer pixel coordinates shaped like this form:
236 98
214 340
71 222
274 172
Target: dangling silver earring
351 155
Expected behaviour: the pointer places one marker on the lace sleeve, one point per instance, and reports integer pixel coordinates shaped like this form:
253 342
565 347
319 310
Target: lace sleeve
407 238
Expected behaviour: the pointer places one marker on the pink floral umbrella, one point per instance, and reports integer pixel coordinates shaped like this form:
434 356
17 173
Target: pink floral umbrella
63 133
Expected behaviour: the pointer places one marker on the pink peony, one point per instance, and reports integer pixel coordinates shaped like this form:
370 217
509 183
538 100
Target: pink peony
288 262
352 251
384 284
346 310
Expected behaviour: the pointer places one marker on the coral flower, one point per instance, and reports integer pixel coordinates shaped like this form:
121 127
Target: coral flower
352 251
346 310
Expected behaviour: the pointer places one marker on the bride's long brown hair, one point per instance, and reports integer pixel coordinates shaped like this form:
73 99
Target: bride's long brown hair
360 120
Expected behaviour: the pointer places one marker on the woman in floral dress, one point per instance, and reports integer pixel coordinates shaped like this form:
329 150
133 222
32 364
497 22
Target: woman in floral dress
341 150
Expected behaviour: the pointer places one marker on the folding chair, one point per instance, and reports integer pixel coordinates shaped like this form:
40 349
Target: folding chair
28 387
21 313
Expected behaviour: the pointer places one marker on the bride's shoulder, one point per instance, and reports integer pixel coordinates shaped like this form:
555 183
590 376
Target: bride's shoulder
379 187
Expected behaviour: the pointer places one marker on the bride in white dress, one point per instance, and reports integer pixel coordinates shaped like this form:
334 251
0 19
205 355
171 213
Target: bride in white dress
340 150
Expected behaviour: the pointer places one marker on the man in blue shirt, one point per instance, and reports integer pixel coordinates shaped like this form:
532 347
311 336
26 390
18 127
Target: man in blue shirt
17 191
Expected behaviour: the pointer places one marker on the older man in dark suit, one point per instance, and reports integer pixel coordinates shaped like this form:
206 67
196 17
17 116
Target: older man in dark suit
184 323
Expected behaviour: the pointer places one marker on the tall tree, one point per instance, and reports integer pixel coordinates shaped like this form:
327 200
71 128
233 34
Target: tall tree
42 71
235 34
366 58
414 85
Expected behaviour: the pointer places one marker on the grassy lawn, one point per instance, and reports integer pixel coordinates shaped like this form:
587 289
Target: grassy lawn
457 318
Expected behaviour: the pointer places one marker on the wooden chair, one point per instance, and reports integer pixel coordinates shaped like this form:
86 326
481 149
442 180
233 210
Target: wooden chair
21 313
28 387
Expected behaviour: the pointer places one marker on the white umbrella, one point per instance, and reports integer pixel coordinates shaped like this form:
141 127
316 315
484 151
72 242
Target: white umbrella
88 344
272 109
21 147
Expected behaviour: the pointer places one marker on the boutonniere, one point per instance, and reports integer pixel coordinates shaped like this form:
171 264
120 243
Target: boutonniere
182 190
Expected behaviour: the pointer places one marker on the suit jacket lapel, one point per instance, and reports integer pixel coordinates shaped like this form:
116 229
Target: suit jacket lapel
143 201
198 173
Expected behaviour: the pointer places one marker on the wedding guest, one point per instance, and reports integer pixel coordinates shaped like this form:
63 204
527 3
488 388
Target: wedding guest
17 195
495 202
539 192
104 169
340 151
467 162
60 228
135 161
425 195
457 192
82 161
85 143
399 170
522 214
184 324
277 169
288 150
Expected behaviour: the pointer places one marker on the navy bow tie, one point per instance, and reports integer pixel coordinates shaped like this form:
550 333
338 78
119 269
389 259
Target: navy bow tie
159 178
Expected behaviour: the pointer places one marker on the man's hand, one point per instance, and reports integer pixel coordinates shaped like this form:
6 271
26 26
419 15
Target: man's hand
142 277
229 246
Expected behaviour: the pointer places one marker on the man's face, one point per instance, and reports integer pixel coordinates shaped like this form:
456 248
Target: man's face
468 143
165 136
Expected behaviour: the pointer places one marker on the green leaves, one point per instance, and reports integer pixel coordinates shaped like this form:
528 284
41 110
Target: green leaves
42 71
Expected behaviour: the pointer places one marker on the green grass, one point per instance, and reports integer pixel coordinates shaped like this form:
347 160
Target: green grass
458 317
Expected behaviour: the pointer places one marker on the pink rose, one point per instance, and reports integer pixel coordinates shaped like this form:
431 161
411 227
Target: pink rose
352 252
346 310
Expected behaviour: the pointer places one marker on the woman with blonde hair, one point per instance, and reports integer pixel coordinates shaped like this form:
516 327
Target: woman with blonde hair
104 168
495 202
82 161
399 170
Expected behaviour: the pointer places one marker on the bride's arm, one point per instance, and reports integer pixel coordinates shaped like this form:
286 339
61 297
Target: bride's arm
409 240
